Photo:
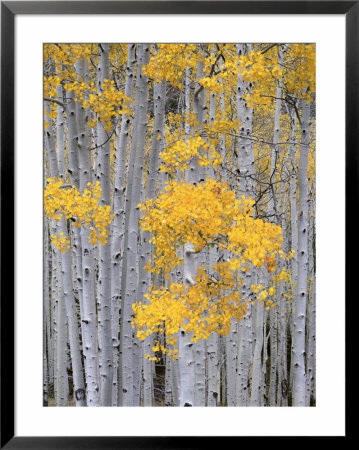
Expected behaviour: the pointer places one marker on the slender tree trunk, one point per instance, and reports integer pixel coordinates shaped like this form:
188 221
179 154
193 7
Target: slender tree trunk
299 377
231 363
129 277
74 335
175 382
62 386
273 356
256 388
144 276
186 360
294 228
60 135
213 379
118 222
72 138
263 391
311 310
104 281
46 314
200 109
273 213
68 295
186 370
246 187
245 145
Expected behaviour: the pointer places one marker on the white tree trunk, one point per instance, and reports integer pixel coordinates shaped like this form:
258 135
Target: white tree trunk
144 276
246 186
213 372
294 226
257 388
299 377
272 212
311 309
71 122
68 295
245 145
273 356
73 332
104 281
60 134
129 272
61 379
46 313
231 363
186 370
118 222
186 361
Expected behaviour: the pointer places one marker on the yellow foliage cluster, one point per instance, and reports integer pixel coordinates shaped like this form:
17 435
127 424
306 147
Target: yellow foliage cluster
61 59
199 309
62 242
206 215
186 212
170 61
64 56
263 70
106 105
82 210
50 85
255 66
224 78
202 144
301 79
180 154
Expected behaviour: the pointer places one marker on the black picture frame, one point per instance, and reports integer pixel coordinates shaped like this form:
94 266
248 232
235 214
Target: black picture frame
9 9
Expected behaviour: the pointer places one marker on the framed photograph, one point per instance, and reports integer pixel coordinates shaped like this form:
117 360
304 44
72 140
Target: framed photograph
175 185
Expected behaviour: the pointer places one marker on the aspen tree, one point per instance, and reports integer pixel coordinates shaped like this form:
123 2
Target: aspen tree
89 314
46 315
186 363
273 209
298 355
193 294
311 310
89 311
256 385
61 379
84 158
119 212
67 295
129 275
213 388
60 134
245 187
103 175
159 94
54 305
200 109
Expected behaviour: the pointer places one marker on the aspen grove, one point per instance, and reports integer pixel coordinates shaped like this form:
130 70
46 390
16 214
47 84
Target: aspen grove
179 225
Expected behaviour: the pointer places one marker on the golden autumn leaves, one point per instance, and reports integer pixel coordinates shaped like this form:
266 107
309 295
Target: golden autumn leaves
104 106
65 201
209 216
220 72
